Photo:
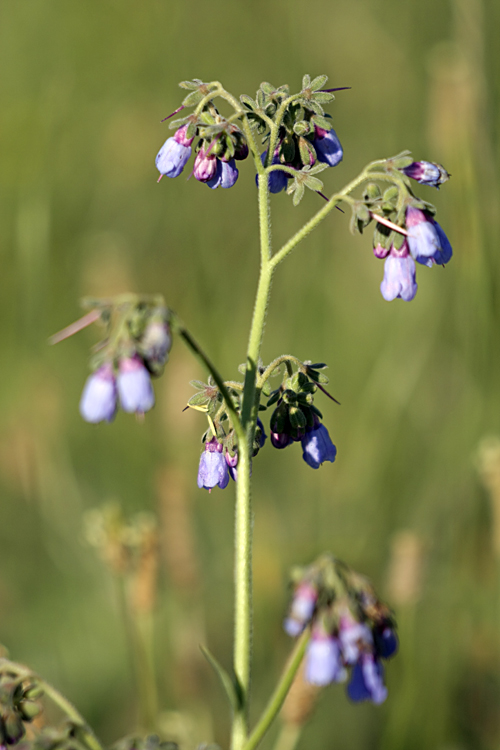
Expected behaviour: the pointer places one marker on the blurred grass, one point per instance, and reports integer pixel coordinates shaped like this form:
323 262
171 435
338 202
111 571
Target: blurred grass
84 87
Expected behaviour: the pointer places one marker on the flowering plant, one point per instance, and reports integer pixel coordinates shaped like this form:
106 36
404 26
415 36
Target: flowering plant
341 627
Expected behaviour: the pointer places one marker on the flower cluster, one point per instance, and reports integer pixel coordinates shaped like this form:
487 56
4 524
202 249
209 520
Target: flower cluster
220 144
350 628
295 417
137 347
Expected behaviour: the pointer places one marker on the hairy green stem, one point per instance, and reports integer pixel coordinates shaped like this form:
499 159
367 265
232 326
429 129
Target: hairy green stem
280 692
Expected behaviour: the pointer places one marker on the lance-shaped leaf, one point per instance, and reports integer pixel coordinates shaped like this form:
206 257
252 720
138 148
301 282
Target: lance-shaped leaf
318 82
231 687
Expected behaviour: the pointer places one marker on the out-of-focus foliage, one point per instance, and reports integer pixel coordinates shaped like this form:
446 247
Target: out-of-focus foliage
83 88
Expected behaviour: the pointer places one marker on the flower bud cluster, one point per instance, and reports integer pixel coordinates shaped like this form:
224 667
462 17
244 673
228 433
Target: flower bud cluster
296 418
18 706
220 144
306 140
406 232
219 460
136 348
350 628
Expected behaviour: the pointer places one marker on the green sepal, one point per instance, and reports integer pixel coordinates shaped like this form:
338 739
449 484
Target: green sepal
287 150
199 399
266 389
231 687
314 106
323 97
191 130
316 411
267 88
298 192
307 152
391 194
191 84
261 99
29 709
274 397
313 184
306 81
402 161
371 192
398 240
193 98
247 101
318 82
297 417
322 122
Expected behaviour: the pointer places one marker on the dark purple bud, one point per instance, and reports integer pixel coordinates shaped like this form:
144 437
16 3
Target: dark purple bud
367 680
280 439
386 641
232 462
278 180
301 610
428 243
323 660
241 151
205 165
399 277
172 157
317 447
134 386
426 173
327 147
212 471
225 175
98 401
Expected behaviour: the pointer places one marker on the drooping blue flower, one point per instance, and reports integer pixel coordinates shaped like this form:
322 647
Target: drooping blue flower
302 609
399 275
427 241
367 680
327 147
174 154
134 386
225 175
98 401
213 471
427 173
281 439
278 180
317 447
323 660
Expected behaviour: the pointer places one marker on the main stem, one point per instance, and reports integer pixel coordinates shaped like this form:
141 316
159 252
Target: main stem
243 524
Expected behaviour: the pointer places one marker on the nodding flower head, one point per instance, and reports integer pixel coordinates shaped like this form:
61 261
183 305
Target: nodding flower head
327 147
213 471
427 241
98 401
205 165
426 173
317 446
174 154
399 275
225 175
134 386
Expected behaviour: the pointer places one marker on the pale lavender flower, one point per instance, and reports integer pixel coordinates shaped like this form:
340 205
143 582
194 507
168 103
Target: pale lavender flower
174 154
98 401
134 386
399 275
302 609
427 241
323 660
212 471
355 637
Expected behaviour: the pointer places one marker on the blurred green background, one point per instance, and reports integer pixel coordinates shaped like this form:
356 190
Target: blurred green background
83 88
